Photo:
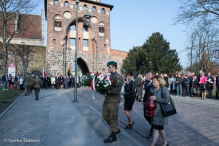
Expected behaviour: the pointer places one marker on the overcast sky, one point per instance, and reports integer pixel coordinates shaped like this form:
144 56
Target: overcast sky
133 21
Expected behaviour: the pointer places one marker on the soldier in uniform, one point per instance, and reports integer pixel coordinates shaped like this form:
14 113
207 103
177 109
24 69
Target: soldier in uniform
37 83
111 103
139 87
27 82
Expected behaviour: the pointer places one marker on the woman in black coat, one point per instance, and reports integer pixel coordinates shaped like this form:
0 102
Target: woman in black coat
129 92
61 81
195 85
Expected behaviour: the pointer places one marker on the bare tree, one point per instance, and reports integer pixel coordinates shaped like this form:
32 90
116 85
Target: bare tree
203 47
8 15
194 13
25 54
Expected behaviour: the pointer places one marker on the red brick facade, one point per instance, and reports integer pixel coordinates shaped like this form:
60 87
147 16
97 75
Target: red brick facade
99 44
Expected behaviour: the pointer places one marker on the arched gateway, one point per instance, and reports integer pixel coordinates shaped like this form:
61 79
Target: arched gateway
94 42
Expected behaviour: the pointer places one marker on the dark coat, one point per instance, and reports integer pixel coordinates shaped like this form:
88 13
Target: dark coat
4 78
61 81
46 80
195 84
57 80
66 79
147 90
130 89
217 80
167 81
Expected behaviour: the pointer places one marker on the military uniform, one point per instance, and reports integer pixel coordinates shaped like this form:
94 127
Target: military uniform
37 83
111 104
138 87
27 82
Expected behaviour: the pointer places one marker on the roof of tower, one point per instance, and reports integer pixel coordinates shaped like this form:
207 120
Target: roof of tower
88 1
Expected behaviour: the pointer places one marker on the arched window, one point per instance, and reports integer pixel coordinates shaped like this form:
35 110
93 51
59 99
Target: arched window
66 3
103 11
85 6
94 9
58 23
101 29
85 28
73 27
56 2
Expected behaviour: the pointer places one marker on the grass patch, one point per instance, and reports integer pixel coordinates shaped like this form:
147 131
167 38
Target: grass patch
7 97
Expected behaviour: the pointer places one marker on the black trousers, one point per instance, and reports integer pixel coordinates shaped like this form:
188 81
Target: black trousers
149 120
57 85
46 85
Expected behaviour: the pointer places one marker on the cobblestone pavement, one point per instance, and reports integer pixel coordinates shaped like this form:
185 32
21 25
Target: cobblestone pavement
196 124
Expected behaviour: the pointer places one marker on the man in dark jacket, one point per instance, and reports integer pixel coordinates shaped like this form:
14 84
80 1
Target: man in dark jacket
5 81
179 81
147 86
46 82
57 82
166 78
190 82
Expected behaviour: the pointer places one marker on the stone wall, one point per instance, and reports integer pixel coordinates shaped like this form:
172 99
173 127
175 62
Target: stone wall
35 56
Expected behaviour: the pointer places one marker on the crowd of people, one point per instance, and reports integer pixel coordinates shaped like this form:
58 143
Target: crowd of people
134 89
53 82
188 85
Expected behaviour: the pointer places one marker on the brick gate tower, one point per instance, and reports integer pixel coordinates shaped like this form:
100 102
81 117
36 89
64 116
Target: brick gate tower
94 44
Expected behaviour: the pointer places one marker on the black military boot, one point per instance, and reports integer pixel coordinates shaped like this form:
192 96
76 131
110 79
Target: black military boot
111 138
118 131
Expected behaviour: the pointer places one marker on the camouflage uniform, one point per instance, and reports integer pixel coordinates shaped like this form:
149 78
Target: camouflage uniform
111 103
37 83
138 87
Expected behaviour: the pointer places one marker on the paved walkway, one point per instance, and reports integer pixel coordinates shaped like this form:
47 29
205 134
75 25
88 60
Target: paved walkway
196 124
54 120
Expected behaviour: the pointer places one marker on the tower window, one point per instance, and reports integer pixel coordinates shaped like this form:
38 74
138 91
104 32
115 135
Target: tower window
103 11
66 3
58 23
72 42
101 29
85 6
56 2
94 9
73 27
85 43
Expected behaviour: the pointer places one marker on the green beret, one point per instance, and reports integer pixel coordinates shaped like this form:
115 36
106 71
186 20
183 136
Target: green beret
111 62
139 73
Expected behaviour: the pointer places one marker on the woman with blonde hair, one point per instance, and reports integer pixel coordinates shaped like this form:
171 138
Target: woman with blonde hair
53 81
202 82
161 96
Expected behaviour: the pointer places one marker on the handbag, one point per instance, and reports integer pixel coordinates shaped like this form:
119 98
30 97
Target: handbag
193 90
168 109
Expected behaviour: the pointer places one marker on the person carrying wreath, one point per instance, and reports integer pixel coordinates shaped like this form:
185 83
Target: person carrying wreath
110 111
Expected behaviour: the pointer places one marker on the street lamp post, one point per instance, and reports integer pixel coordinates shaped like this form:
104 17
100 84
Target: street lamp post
22 43
86 16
